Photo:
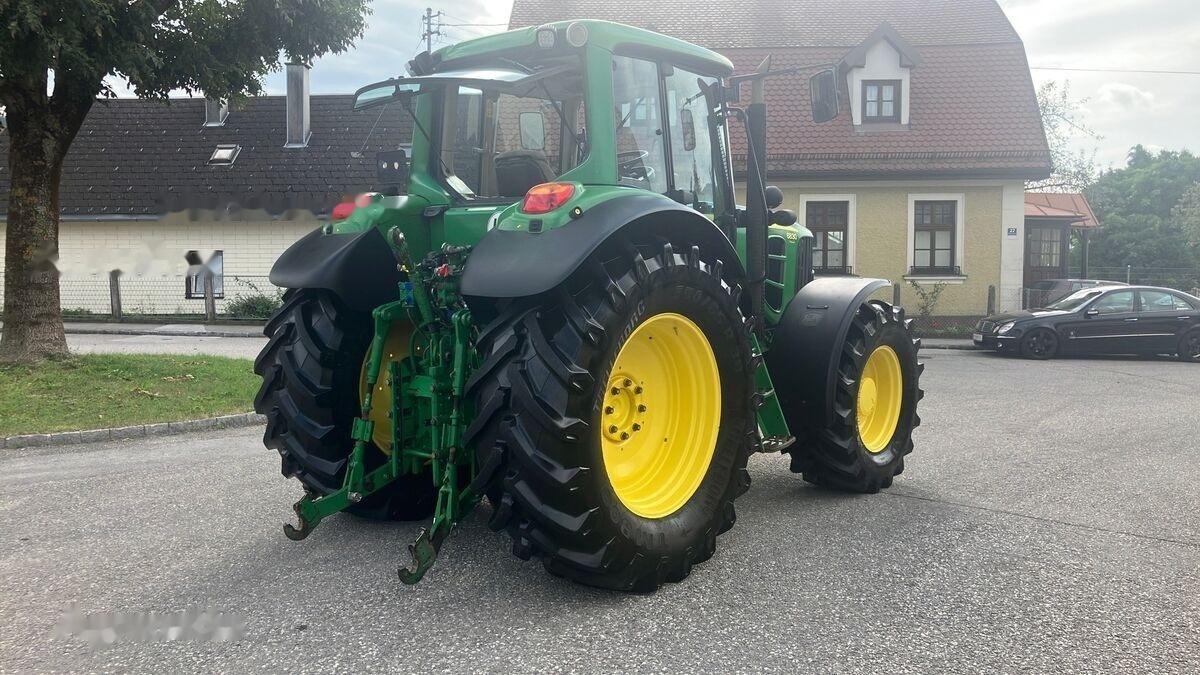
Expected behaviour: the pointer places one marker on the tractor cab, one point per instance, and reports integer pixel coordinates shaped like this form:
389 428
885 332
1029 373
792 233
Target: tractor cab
569 102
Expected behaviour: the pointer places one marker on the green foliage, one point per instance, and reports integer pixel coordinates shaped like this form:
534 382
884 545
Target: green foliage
97 391
222 47
1144 211
1187 214
253 306
1073 170
927 298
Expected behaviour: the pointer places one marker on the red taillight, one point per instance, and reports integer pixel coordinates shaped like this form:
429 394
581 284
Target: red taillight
342 211
546 197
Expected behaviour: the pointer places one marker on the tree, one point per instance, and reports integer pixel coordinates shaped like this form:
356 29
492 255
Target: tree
1187 214
1073 170
55 59
1143 210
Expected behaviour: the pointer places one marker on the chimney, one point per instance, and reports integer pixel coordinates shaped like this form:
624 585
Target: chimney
297 106
215 112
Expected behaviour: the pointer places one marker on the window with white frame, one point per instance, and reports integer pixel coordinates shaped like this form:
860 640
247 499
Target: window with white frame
935 235
829 223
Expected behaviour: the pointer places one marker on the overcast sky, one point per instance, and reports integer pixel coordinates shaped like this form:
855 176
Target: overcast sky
1157 110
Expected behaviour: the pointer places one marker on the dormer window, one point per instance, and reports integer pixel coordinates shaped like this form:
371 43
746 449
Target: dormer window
881 100
879 80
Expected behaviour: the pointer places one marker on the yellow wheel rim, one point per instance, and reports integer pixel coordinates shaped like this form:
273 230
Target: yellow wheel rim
394 349
660 415
880 392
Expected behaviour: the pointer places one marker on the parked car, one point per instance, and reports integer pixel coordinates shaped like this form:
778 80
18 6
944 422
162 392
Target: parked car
1046 291
1112 319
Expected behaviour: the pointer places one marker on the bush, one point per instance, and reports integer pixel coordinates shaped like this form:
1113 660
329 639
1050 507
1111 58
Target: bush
256 306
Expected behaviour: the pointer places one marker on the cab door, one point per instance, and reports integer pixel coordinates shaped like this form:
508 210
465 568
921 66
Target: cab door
1106 326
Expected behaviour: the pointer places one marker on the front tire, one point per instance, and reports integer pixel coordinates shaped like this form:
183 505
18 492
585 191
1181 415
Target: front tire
310 395
564 394
874 410
1039 344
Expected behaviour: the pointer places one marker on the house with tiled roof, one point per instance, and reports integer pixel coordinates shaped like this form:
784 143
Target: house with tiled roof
921 176
149 188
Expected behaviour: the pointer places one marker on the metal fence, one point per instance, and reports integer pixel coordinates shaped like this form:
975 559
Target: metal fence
129 297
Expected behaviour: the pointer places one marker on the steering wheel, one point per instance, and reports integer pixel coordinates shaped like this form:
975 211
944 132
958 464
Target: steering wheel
630 165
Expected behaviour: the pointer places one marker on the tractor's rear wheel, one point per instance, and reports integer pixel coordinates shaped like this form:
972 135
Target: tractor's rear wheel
875 407
621 404
311 370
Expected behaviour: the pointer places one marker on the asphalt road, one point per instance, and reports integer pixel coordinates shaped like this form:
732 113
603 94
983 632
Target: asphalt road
1046 523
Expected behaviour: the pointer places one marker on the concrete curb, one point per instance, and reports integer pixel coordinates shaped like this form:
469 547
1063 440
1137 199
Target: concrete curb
965 346
172 332
137 431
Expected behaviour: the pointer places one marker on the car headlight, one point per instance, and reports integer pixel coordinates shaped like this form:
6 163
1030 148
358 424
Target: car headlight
1005 327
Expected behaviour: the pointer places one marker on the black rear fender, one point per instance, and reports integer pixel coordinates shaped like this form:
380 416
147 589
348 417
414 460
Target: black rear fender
514 264
357 267
805 350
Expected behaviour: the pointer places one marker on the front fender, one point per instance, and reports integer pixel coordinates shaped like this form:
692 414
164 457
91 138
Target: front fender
517 263
805 350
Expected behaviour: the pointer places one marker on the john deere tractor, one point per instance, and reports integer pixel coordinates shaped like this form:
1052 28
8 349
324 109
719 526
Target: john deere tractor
556 303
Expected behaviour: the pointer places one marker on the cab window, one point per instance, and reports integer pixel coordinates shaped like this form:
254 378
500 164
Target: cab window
641 149
690 99
499 143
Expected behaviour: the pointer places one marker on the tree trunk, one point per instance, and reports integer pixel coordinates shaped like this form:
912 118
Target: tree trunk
40 132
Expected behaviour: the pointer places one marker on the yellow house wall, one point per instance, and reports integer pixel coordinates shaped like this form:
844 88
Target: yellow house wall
880 241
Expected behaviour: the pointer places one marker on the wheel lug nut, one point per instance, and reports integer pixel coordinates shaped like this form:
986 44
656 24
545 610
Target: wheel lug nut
628 382
608 410
637 427
637 390
641 408
624 435
612 429
615 391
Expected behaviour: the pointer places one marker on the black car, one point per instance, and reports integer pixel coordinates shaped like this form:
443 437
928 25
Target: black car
1101 320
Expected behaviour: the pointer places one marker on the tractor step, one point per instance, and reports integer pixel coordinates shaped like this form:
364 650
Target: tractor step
772 426
777 443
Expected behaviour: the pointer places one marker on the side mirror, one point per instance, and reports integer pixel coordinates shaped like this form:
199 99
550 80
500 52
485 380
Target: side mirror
533 131
391 171
688 126
823 93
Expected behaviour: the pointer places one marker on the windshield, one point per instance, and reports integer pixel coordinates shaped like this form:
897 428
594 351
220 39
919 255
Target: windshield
1074 300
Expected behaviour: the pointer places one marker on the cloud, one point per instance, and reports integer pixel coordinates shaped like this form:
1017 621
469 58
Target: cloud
1125 96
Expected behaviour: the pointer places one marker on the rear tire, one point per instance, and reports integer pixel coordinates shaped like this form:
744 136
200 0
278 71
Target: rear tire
541 396
310 369
1039 344
845 454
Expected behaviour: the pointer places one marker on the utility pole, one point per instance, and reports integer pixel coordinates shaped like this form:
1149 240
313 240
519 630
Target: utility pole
430 30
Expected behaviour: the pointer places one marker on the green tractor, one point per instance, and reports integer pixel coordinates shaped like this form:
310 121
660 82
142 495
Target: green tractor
567 312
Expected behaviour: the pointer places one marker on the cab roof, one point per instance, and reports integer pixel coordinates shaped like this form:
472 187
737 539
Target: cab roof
604 34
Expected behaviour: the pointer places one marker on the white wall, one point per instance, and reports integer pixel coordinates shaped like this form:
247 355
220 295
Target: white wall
151 256
1012 247
882 63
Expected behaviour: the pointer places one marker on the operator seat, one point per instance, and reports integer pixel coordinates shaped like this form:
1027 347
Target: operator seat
519 170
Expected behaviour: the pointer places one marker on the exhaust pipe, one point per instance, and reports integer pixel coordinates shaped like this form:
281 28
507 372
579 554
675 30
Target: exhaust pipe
757 215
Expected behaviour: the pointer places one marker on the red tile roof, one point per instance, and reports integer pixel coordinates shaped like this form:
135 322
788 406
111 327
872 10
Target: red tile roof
972 112
1061 205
